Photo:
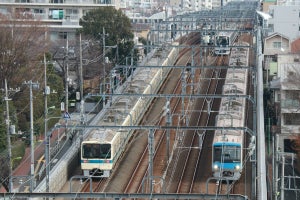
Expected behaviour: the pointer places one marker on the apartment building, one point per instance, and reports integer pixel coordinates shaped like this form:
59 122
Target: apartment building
282 67
60 16
286 88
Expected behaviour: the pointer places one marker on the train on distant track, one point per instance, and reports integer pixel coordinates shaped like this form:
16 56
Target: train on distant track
101 148
228 145
223 42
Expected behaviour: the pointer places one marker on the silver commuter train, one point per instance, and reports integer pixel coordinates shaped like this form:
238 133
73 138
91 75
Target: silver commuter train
228 145
101 148
223 41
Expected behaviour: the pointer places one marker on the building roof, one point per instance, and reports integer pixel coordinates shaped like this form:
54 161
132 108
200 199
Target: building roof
275 35
160 15
295 46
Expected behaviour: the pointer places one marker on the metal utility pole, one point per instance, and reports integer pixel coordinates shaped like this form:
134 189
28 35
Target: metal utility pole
151 154
168 123
81 82
32 179
104 63
67 77
282 178
10 187
103 38
46 139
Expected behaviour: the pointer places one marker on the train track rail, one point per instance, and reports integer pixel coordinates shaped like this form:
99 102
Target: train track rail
190 166
162 137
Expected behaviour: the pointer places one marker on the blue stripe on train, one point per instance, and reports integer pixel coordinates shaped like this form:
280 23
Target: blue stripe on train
227 165
97 161
227 144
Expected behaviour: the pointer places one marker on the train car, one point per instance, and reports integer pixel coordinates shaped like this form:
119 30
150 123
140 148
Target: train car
228 145
101 148
223 42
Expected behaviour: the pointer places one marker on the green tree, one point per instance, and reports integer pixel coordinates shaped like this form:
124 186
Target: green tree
117 28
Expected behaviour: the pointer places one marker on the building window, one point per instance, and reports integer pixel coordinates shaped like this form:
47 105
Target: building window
292 94
292 119
277 45
22 1
102 1
56 14
71 11
63 35
271 27
56 1
71 14
38 11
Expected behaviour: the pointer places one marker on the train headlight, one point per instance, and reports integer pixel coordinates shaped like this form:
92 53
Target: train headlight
237 167
216 167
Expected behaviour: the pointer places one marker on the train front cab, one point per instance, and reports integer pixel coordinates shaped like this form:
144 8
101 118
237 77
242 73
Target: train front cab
96 159
222 45
227 160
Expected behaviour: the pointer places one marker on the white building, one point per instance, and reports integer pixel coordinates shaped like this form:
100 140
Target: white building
60 16
288 97
282 64
288 23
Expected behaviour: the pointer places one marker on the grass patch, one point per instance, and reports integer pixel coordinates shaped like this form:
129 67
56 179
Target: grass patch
18 150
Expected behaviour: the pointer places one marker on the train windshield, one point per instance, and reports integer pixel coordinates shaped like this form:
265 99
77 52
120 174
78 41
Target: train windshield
227 154
96 151
222 40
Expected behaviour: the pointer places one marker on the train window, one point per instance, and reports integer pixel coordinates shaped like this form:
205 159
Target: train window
86 151
226 154
105 151
222 40
93 151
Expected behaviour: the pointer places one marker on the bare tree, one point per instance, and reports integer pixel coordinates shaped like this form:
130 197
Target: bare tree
21 43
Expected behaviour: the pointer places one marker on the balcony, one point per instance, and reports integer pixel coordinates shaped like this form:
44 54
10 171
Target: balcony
56 2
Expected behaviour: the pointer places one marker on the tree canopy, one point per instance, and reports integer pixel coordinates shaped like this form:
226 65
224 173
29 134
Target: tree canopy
117 28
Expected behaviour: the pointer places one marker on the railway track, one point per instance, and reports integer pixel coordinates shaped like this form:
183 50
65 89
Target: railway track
200 117
190 166
194 142
140 174
139 179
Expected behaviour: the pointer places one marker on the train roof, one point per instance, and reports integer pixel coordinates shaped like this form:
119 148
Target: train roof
232 136
121 106
100 135
232 109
